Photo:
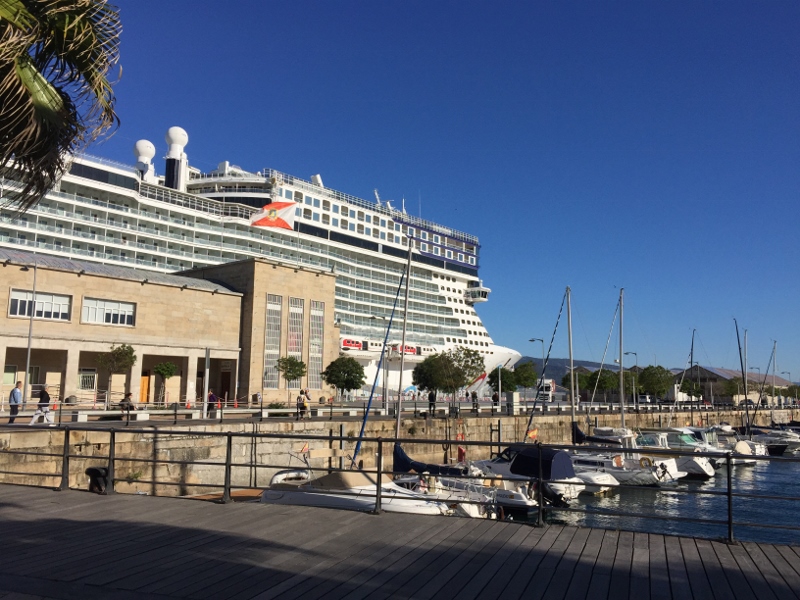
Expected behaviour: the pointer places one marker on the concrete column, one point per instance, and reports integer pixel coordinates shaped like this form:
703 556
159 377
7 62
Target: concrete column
3 391
69 378
135 381
189 384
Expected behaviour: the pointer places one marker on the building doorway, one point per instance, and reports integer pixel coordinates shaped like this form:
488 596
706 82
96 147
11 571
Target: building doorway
144 388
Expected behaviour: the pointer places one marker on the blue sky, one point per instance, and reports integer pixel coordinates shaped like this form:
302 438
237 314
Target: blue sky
647 145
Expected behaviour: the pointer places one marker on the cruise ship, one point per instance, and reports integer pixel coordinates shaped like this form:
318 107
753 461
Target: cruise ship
129 215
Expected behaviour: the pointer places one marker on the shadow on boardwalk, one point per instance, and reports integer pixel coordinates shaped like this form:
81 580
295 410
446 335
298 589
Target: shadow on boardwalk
78 545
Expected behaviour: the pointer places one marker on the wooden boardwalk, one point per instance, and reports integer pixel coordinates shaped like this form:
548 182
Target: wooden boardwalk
77 545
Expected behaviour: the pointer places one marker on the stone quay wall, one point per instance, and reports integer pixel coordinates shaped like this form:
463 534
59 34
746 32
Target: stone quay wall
190 462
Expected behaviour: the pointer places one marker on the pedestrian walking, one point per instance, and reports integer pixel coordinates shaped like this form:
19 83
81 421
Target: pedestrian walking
43 408
432 402
300 405
307 404
475 405
14 402
496 399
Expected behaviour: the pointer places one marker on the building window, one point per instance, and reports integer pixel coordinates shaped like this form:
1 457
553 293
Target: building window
108 312
423 247
48 306
294 346
272 341
315 340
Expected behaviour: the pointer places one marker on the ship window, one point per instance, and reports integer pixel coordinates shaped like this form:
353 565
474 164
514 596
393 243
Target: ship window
361 228
472 260
396 226
309 200
344 224
326 205
383 222
335 222
315 216
368 219
352 227
460 257
360 216
423 235
423 247
383 235
316 202
352 214
335 208
298 212
448 253
298 196
326 219
375 232
410 232
437 251
436 239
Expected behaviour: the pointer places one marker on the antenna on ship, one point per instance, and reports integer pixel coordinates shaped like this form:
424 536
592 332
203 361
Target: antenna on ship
377 196
404 205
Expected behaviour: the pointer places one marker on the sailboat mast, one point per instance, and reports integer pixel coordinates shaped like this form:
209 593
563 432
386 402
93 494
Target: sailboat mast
621 368
403 341
571 364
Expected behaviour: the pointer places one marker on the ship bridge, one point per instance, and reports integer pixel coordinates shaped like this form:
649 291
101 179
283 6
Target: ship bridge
476 292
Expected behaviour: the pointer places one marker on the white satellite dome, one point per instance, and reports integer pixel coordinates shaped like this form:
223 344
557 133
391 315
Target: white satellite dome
177 138
144 151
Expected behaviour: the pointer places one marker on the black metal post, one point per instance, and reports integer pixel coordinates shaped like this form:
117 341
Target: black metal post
539 491
226 492
261 402
175 414
65 463
330 415
60 406
220 411
112 443
379 477
729 470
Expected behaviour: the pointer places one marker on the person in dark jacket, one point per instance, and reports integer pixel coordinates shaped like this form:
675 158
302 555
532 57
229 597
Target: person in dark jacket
432 402
43 407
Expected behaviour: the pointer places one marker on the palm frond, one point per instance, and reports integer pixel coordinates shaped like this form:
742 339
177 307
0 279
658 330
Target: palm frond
55 93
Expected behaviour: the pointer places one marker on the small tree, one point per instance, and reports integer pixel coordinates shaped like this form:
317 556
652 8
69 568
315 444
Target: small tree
291 368
118 360
656 381
345 374
165 370
507 380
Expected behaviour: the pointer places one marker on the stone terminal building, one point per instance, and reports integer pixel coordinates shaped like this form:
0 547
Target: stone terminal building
244 314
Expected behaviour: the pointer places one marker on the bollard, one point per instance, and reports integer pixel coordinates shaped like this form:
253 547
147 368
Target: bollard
65 463
378 490
226 492
112 438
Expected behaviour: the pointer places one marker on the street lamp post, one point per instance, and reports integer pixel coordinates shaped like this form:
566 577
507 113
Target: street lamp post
635 374
32 312
789 373
541 376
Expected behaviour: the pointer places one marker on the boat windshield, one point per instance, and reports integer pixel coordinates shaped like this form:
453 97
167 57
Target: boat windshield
647 440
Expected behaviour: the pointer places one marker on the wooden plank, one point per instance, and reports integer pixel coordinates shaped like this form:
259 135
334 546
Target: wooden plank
640 568
567 564
513 585
330 562
600 582
620 577
396 584
750 570
539 579
738 580
440 562
786 570
593 571
471 554
698 578
499 579
768 571
510 543
659 572
790 556
374 578
678 577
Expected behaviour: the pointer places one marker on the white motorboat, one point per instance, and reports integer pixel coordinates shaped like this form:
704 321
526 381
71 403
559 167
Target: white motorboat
681 440
725 439
349 490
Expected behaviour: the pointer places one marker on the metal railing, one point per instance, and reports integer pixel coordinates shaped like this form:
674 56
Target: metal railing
730 502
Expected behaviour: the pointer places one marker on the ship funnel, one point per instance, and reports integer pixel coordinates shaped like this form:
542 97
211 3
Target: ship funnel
177 163
317 180
144 151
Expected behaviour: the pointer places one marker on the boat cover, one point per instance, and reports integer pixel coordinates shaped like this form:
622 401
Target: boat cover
404 464
556 464
578 437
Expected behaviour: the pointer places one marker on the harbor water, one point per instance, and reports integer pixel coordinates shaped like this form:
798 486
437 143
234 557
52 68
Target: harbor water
763 519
